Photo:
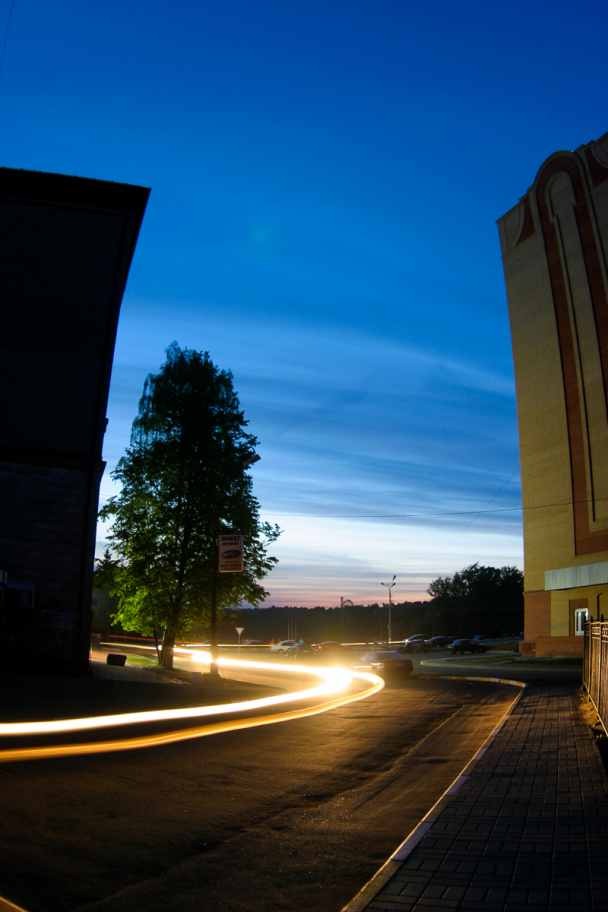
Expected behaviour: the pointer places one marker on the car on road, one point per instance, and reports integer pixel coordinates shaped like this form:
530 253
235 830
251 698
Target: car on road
332 647
282 646
462 646
300 651
385 663
416 643
440 642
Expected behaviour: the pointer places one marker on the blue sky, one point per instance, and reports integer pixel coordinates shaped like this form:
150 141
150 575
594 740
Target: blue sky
326 178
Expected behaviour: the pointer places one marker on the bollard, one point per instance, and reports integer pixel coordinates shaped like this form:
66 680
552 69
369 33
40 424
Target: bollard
197 677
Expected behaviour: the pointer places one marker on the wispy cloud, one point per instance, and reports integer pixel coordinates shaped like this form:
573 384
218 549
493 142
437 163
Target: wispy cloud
350 425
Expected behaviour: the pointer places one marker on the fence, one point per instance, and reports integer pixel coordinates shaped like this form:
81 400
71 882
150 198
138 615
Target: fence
595 666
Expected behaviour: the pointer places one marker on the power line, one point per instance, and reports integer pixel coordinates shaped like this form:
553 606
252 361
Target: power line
462 531
543 506
6 34
474 513
403 515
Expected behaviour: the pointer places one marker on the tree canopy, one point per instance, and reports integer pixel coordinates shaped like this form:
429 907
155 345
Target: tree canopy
183 482
491 597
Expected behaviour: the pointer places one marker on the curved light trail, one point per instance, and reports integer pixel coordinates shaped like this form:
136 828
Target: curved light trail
334 681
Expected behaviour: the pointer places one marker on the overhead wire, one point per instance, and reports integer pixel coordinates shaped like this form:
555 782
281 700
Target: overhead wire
475 513
462 531
6 35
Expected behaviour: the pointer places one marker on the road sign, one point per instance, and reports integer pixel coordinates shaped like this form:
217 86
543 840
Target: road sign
231 553
239 630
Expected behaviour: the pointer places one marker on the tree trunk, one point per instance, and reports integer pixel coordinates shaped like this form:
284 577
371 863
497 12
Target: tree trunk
213 668
167 651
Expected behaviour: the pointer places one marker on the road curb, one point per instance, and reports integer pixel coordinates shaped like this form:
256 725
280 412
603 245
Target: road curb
7 906
392 865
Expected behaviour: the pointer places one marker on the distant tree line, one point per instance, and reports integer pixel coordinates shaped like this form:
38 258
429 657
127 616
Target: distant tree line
475 600
479 600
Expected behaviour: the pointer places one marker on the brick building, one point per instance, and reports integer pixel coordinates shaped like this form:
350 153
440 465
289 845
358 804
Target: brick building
65 253
554 244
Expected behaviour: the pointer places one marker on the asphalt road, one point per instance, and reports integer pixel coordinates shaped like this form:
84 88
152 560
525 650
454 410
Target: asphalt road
291 817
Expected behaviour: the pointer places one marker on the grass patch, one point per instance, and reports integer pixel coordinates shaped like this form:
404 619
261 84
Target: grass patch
140 660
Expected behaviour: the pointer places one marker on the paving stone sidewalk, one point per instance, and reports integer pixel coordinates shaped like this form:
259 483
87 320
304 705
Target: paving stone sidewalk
528 830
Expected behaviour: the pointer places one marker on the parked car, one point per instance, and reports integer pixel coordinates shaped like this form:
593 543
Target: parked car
331 647
282 646
416 643
462 646
300 651
440 642
387 664
482 636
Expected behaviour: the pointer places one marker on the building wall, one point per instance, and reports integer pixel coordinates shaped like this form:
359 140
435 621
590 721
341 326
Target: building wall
553 246
65 252
46 536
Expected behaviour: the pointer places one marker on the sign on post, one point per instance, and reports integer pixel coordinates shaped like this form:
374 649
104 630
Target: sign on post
231 553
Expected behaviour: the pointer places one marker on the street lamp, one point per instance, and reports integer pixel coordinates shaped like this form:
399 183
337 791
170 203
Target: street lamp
213 668
389 586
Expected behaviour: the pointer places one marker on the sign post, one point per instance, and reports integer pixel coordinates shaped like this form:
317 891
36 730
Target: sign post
231 554
239 630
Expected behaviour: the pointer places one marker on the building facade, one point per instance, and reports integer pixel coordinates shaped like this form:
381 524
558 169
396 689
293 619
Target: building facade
554 244
66 246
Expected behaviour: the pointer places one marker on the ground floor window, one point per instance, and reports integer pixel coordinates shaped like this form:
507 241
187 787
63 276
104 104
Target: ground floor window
581 615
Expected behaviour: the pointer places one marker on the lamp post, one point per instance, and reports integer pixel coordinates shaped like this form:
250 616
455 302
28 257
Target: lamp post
213 667
389 586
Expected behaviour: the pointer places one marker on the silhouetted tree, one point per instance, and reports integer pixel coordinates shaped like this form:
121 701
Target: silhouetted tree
183 483
481 595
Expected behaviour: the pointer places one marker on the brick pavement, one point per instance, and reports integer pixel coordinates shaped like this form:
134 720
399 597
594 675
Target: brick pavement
528 829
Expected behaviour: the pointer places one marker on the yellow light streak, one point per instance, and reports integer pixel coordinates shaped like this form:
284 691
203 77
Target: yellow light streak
335 680
215 728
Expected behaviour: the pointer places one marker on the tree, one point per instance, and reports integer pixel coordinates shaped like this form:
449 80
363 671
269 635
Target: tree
489 596
104 608
183 483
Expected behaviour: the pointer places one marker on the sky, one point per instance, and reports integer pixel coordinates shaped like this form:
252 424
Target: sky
325 183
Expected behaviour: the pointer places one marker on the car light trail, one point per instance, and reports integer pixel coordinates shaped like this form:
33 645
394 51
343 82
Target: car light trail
334 681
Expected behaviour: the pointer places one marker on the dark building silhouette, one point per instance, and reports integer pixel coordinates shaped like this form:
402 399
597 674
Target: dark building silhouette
66 245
